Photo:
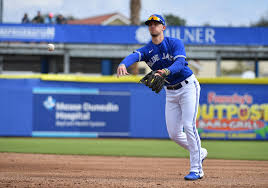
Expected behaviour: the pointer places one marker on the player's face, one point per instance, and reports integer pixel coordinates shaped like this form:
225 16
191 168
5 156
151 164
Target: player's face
156 28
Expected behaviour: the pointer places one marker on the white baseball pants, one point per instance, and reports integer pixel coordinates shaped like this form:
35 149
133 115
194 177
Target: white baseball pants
181 111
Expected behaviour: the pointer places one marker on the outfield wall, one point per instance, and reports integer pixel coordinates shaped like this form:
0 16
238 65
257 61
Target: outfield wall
77 106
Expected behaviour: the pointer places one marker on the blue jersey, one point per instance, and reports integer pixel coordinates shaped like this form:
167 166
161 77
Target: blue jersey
170 54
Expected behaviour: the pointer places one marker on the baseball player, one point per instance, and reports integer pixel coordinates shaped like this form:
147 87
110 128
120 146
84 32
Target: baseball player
167 58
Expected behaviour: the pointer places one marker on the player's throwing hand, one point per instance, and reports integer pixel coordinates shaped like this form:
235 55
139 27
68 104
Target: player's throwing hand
122 70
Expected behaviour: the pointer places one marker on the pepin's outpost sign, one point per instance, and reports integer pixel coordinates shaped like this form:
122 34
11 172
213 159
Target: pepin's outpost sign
232 115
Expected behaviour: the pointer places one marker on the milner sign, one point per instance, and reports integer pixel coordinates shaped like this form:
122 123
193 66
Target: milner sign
85 34
188 35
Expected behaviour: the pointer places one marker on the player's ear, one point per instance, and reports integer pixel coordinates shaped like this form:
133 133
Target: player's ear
164 27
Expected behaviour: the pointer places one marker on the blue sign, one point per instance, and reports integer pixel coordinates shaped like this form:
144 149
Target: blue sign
72 112
131 34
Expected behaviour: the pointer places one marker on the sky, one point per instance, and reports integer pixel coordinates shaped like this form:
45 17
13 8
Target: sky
195 12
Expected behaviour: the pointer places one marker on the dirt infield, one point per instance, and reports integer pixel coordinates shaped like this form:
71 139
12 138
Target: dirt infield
35 170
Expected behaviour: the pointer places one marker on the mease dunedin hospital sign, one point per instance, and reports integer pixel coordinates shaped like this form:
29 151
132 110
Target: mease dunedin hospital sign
83 34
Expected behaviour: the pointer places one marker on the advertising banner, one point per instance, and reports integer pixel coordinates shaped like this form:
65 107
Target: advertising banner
97 34
229 111
72 112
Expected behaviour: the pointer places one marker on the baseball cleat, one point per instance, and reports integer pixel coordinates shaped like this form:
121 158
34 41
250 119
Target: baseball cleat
194 176
204 154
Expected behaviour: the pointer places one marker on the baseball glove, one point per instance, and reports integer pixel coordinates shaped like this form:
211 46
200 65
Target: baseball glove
155 80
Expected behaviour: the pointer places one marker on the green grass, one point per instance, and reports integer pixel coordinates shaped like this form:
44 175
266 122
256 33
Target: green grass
245 150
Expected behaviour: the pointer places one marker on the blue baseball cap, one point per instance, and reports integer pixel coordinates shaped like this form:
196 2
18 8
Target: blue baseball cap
157 18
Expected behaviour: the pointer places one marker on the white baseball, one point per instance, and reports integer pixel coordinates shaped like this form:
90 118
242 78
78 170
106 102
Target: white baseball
50 47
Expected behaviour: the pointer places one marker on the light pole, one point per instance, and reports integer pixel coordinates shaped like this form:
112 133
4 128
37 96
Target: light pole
1 11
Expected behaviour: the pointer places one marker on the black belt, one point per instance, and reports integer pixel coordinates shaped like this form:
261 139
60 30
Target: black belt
177 86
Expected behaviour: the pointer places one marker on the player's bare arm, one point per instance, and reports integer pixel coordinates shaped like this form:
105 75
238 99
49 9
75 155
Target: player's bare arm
122 70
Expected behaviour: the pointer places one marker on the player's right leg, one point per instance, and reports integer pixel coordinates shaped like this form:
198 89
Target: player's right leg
173 119
174 123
